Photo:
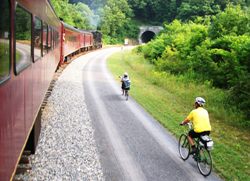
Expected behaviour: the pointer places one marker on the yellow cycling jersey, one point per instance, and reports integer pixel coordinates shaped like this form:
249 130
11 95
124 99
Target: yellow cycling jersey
200 119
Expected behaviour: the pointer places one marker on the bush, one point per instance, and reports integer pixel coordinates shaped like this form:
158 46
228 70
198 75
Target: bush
154 49
239 95
107 40
218 53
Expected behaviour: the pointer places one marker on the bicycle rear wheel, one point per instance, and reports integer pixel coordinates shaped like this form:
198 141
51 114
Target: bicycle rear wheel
204 162
126 94
184 147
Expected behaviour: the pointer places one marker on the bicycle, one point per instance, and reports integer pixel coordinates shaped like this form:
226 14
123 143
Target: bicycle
202 155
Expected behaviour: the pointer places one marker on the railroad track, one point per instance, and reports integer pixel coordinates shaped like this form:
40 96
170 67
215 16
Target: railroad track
24 167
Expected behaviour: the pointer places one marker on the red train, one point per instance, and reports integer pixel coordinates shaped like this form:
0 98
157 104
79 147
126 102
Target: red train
33 43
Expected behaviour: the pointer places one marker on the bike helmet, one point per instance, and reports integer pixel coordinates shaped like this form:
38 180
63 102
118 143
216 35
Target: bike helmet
200 101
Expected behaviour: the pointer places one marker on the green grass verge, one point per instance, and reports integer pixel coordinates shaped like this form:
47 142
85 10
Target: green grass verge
169 99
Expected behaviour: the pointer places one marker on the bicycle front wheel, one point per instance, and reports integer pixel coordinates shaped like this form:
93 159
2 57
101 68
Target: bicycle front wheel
184 147
204 162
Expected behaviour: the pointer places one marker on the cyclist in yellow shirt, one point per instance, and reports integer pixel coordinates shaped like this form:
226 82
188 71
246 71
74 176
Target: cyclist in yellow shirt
200 120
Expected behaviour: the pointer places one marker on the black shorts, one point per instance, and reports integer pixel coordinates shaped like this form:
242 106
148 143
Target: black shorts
193 134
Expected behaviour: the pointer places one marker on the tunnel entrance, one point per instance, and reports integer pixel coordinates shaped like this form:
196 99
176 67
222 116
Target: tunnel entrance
147 33
147 36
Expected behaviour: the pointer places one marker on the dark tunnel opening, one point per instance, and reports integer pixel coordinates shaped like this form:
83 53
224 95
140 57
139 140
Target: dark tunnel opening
147 36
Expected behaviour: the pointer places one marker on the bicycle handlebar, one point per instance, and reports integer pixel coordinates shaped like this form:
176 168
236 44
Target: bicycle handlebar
190 126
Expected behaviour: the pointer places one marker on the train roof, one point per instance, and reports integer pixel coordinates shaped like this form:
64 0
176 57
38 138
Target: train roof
73 28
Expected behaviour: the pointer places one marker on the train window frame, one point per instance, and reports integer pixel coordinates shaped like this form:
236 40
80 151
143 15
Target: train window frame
49 36
54 38
36 18
45 50
57 36
18 70
8 75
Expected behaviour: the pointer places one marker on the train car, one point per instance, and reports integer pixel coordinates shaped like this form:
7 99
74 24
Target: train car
74 41
30 35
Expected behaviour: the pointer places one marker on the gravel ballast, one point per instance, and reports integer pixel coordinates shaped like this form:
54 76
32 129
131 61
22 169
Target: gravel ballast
67 148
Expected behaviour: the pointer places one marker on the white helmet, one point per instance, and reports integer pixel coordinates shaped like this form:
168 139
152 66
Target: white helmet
125 74
200 101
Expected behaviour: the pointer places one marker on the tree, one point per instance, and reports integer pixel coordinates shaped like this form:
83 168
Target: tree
88 19
63 10
191 9
78 15
114 16
157 10
168 10
232 21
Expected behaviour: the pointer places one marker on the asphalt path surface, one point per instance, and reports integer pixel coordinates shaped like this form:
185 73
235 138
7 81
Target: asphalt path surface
133 146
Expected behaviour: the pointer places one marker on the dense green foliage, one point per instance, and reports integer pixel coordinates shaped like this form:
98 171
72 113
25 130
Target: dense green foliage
112 17
116 19
158 11
168 10
78 15
115 16
217 53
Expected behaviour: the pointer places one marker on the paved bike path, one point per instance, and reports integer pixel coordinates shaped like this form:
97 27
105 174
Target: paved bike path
132 145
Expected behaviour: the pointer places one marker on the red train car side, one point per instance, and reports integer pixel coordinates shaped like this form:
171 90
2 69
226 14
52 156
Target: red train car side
29 55
73 41
33 43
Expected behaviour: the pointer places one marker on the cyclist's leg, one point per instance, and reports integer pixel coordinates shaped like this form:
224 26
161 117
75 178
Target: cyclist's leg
191 135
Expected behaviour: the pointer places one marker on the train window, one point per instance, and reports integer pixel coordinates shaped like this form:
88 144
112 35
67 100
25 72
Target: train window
45 38
52 38
23 39
49 38
4 40
56 38
37 38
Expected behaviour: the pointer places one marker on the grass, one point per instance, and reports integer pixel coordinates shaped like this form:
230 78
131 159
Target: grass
169 99
4 60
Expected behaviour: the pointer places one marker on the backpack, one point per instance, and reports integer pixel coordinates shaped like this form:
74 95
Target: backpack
126 84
